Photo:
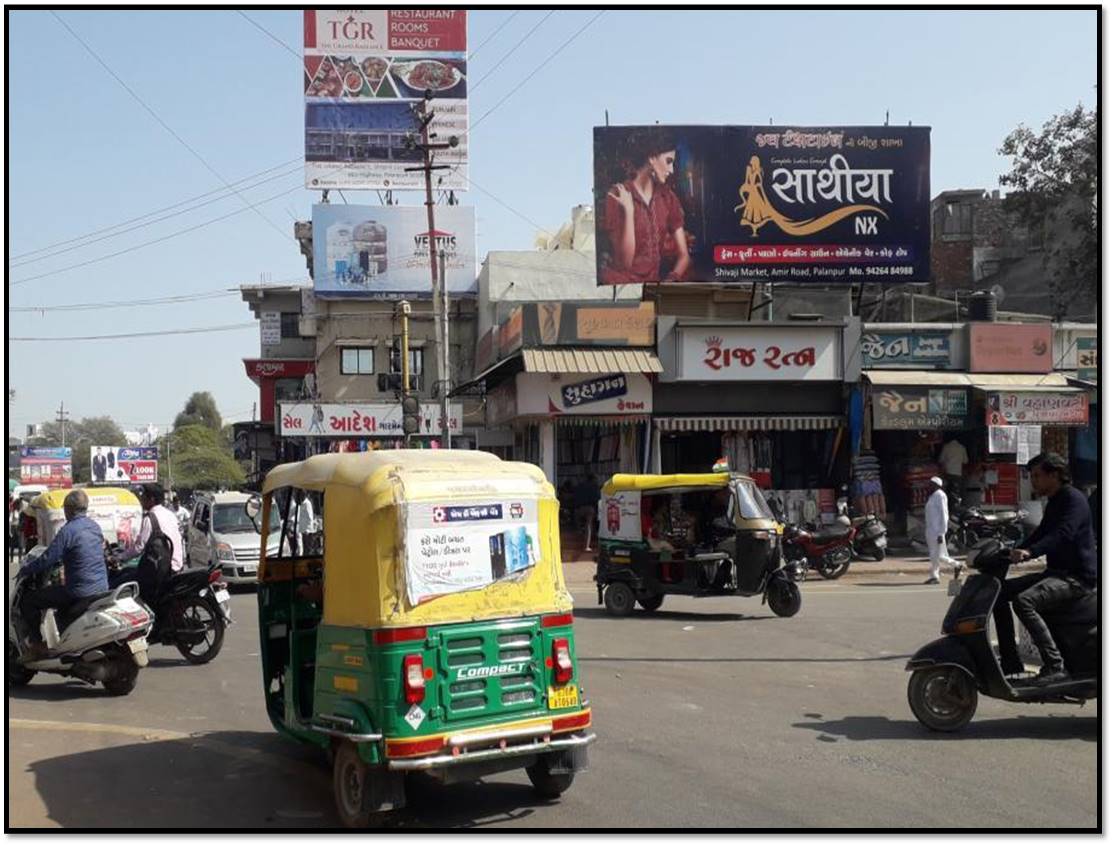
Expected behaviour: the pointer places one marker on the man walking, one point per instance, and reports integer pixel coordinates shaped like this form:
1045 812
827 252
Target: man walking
937 518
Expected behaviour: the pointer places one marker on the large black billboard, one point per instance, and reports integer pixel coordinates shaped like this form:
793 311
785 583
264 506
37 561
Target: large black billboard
741 204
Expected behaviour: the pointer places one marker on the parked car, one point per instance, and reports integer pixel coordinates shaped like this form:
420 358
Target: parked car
220 532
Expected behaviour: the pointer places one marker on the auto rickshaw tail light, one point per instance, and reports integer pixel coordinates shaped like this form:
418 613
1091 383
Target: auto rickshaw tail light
561 659
413 678
385 636
556 620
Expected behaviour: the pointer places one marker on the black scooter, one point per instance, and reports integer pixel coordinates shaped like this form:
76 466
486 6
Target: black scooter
948 673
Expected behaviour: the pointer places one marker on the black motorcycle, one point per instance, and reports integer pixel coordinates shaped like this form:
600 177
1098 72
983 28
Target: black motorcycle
190 610
947 674
968 526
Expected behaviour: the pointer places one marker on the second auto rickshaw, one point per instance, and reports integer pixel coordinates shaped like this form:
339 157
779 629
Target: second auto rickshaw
434 631
692 534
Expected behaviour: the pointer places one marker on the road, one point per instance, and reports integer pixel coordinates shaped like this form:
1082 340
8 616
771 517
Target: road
710 713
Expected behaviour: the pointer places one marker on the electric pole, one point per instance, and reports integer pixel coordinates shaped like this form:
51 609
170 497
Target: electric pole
439 282
63 415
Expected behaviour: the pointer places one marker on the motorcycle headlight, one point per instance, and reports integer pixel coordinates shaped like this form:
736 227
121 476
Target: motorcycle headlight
224 552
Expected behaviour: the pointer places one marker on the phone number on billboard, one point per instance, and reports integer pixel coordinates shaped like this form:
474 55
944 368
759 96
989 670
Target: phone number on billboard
888 271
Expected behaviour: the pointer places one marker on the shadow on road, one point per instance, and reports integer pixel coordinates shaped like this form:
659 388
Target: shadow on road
240 779
674 615
65 691
583 659
1021 727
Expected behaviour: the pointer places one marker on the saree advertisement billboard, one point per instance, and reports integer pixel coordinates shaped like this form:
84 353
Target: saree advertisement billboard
748 204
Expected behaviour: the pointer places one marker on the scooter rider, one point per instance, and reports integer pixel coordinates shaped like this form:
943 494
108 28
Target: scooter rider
79 546
1065 536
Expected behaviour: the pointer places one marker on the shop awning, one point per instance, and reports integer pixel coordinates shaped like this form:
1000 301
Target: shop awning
916 378
1027 382
591 361
776 423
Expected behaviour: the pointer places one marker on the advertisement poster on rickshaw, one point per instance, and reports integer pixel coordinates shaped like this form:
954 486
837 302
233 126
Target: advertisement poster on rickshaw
451 547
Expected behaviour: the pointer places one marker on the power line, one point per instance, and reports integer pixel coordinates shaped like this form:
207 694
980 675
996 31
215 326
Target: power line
498 64
299 186
154 212
538 69
507 206
165 125
486 40
143 225
96 306
203 330
269 34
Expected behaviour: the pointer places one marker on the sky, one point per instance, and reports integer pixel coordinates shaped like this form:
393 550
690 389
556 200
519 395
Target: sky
84 154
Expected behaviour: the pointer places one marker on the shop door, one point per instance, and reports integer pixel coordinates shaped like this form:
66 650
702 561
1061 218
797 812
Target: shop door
689 452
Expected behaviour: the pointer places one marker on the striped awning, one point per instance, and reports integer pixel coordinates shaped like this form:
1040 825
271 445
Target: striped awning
781 423
610 360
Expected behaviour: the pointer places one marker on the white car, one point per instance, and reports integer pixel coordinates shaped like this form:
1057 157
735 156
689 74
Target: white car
220 532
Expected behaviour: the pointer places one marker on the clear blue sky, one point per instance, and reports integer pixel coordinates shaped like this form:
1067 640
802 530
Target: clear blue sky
84 155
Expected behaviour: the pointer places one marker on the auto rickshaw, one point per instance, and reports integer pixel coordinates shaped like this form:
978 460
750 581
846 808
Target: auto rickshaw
432 634
697 535
115 510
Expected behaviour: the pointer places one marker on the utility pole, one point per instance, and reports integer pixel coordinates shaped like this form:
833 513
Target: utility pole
439 283
63 415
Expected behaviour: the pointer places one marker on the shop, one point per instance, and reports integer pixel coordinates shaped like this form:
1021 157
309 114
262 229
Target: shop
278 380
768 397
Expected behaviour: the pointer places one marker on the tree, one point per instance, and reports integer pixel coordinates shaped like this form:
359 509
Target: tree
200 459
200 409
1054 176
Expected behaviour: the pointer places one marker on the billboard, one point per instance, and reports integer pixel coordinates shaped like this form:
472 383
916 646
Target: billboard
360 421
49 465
364 71
744 204
367 251
123 464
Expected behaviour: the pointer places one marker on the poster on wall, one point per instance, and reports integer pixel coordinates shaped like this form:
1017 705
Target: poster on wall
821 205
49 465
382 251
364 72
123 464
452 547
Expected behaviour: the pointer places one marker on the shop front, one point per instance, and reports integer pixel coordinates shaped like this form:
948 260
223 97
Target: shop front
768 397
278 380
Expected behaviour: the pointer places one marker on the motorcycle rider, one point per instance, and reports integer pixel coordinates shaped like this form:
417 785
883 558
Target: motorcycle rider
79 546
152 497
1065 536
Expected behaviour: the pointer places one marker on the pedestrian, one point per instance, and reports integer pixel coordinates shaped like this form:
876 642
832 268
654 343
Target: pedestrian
306 522
586 507
953 458
937 518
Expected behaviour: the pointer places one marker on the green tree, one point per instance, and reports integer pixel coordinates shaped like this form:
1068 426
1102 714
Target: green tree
199 459
1054 176
200 409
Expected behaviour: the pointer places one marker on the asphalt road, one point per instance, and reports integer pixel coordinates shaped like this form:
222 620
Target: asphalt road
710 713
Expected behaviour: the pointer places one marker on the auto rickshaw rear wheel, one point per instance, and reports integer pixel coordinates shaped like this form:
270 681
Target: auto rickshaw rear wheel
651 601
547 783
619 599
784 597
350 775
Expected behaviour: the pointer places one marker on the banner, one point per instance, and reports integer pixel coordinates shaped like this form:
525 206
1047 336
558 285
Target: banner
49 465
365 70
1011 407
123 464
369 251
921 409
451 547
825 205
362 421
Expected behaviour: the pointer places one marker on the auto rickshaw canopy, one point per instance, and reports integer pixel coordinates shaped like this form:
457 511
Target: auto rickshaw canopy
379 506
667 483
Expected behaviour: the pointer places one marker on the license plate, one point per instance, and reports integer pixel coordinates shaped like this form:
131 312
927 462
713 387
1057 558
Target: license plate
954 587
137 645
222 596
561 697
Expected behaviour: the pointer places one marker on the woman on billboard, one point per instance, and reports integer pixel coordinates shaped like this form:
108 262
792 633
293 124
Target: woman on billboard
642 213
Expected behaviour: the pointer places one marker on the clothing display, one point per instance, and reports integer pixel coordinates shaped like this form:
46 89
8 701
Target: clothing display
866 489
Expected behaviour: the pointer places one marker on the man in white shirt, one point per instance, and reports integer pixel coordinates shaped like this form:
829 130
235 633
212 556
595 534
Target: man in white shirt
153 500
954 457
937 518
306 521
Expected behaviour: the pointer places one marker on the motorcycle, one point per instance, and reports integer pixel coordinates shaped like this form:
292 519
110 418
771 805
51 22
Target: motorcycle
968 526
99 639
870 542
191 611
947 674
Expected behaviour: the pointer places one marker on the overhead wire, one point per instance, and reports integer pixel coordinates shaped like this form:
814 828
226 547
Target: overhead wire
472 87
165 125
487 40
269 34
200 330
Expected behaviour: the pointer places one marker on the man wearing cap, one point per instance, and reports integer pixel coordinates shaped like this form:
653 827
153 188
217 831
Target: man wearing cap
79 547
152 497
937 519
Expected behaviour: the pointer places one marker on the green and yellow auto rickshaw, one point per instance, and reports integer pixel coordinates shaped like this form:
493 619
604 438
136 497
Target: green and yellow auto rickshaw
433 633
700 535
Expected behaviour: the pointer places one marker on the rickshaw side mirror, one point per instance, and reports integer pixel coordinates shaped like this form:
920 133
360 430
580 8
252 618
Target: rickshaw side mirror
253 507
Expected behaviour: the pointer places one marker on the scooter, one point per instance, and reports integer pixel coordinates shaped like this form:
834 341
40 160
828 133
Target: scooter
947 674
99 639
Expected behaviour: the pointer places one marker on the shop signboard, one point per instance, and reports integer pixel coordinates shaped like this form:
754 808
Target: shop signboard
754 353
383 251
1011 347
921 409
626 326
270 323
49 465
263 368
811 205
576 394
905 349
123 464
1016 407
510 333
360 421
1087 358
364 70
